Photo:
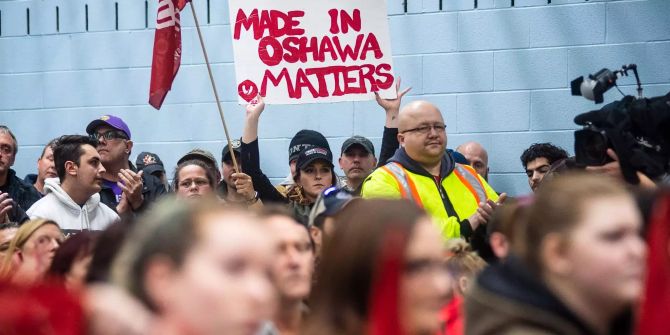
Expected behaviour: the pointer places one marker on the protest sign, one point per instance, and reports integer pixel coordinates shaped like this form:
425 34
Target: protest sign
304 51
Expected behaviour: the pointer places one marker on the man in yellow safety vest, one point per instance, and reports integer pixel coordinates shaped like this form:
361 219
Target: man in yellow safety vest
458 198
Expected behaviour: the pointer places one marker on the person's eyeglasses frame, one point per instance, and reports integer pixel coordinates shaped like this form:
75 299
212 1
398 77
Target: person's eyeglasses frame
425 129
109 135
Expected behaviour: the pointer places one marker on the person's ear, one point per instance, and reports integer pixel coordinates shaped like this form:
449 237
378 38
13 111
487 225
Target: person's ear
317 235
17 258
129 146
499 245
71 168
554 255
463 283
401 139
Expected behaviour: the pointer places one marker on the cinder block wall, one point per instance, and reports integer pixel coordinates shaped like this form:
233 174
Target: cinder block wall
498 69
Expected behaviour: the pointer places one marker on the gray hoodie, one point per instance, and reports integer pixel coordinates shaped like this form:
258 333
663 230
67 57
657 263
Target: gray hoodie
58 206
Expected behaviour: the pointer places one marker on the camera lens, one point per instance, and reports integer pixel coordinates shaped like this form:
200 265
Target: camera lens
591 147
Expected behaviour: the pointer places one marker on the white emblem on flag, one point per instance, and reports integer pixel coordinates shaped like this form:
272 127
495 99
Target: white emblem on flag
168 15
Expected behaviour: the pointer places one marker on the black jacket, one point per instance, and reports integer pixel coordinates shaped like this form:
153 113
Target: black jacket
508 299
250 158
389 145
152 189
30 179
23 194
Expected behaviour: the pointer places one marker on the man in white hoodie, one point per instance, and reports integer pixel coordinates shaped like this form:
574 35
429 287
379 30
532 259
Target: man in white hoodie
73 201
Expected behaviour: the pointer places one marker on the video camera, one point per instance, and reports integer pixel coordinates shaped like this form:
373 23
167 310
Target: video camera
637 129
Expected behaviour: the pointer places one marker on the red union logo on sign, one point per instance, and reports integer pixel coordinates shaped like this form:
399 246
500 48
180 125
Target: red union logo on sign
168 15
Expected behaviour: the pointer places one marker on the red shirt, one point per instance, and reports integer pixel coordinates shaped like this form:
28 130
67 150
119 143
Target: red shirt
452 317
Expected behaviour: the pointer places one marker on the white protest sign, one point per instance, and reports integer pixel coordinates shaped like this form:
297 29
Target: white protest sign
305 51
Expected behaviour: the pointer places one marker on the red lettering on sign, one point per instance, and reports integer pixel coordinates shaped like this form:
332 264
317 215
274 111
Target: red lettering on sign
367 75
265 57
383 70
371 44
334 27
355 79
293 49
346 21
281 40
320 73
347 51
276 81
275 23
349 21
301 82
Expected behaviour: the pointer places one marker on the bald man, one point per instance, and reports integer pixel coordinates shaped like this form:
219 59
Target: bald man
456 197
476 156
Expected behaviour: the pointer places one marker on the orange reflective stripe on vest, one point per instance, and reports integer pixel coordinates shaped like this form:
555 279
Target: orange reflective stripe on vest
405 184
470 180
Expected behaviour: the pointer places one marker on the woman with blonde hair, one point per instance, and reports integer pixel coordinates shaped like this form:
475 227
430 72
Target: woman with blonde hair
463 266
31 252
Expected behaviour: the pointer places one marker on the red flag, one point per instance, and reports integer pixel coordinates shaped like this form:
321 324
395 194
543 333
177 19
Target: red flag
653 313
167 50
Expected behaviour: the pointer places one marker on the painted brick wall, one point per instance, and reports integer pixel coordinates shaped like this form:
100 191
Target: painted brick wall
498 69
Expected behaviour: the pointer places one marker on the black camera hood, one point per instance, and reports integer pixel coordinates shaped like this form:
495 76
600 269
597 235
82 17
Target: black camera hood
639 131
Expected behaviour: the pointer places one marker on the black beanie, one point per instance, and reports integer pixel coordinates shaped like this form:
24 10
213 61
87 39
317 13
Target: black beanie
303 139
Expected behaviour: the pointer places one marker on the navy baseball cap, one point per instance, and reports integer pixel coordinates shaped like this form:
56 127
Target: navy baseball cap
149 162
329 202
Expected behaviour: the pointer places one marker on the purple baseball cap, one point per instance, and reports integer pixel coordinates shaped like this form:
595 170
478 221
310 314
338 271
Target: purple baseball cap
108 120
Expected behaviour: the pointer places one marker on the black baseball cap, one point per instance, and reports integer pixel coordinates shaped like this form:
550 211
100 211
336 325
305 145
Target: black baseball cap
235 144
149 163
311 154
358 140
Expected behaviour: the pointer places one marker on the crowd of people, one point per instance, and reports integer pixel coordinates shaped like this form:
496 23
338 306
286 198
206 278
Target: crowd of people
410 241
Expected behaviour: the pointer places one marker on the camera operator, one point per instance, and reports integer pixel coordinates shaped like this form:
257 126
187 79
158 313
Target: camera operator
613 169
627 139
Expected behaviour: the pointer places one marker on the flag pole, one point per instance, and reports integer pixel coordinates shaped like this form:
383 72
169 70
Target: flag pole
216 94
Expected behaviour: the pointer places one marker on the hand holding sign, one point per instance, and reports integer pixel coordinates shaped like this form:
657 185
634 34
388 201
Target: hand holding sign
255 107
392 106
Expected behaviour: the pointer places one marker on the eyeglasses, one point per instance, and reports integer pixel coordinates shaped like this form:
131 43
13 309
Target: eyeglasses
426 129
418 267
109 135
